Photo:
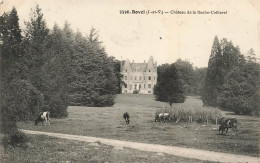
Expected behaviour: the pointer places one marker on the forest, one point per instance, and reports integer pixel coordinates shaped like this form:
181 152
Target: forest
46 69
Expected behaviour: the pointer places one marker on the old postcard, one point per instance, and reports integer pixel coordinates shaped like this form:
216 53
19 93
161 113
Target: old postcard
130 81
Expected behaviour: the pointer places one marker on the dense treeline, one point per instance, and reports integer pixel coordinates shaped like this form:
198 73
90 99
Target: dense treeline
46 69
232 80
191 77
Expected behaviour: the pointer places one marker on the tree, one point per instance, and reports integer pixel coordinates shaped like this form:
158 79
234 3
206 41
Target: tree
94 79
231 55
10 55
169 87
55 74
35 45
215 75
240 90
200 75
116 64
251 57
187 75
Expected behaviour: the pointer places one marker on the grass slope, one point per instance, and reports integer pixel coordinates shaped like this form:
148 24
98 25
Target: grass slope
108 122
50 149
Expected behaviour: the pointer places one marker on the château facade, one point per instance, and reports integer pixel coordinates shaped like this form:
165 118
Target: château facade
140 77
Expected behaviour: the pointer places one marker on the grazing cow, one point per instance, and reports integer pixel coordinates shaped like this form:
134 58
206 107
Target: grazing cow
162 117
226 123
166 117
158 117
126 117
43 116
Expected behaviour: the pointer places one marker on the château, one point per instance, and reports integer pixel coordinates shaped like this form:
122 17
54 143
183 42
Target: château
139 77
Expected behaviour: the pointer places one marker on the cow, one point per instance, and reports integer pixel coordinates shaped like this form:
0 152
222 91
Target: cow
166 117
157 118
43 116
226 123
224 127
126 116
162 117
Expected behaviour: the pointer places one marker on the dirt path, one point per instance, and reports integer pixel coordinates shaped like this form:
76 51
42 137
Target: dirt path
177 151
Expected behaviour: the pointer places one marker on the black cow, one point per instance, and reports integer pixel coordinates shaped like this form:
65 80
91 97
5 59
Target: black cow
126 117
226 123
43 116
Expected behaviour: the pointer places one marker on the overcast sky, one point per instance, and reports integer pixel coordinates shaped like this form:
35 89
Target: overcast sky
166 37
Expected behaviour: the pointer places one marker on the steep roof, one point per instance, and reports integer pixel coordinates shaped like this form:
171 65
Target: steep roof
139 66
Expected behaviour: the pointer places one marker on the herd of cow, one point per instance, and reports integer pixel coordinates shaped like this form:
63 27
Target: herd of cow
225 123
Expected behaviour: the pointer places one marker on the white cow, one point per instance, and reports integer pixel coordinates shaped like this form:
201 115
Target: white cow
43 116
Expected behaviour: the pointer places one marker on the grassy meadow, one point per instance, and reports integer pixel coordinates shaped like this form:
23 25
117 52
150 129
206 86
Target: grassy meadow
50 149
108 122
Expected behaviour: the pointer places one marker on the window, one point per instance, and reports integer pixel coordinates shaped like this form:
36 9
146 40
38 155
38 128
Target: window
149 92
131 78
149 70
125 77
144 77
149 85
140 86
135 77
140 77
125 70
130 86
125 85
149 77
144 85
154 78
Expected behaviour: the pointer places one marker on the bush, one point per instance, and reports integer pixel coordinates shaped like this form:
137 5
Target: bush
12 136
15 139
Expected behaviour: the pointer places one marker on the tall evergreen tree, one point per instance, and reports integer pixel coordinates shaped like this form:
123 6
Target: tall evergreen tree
94 80
116 64
215 75
35 45
55 74
11 103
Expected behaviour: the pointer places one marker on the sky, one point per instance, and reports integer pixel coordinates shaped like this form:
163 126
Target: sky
166 36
